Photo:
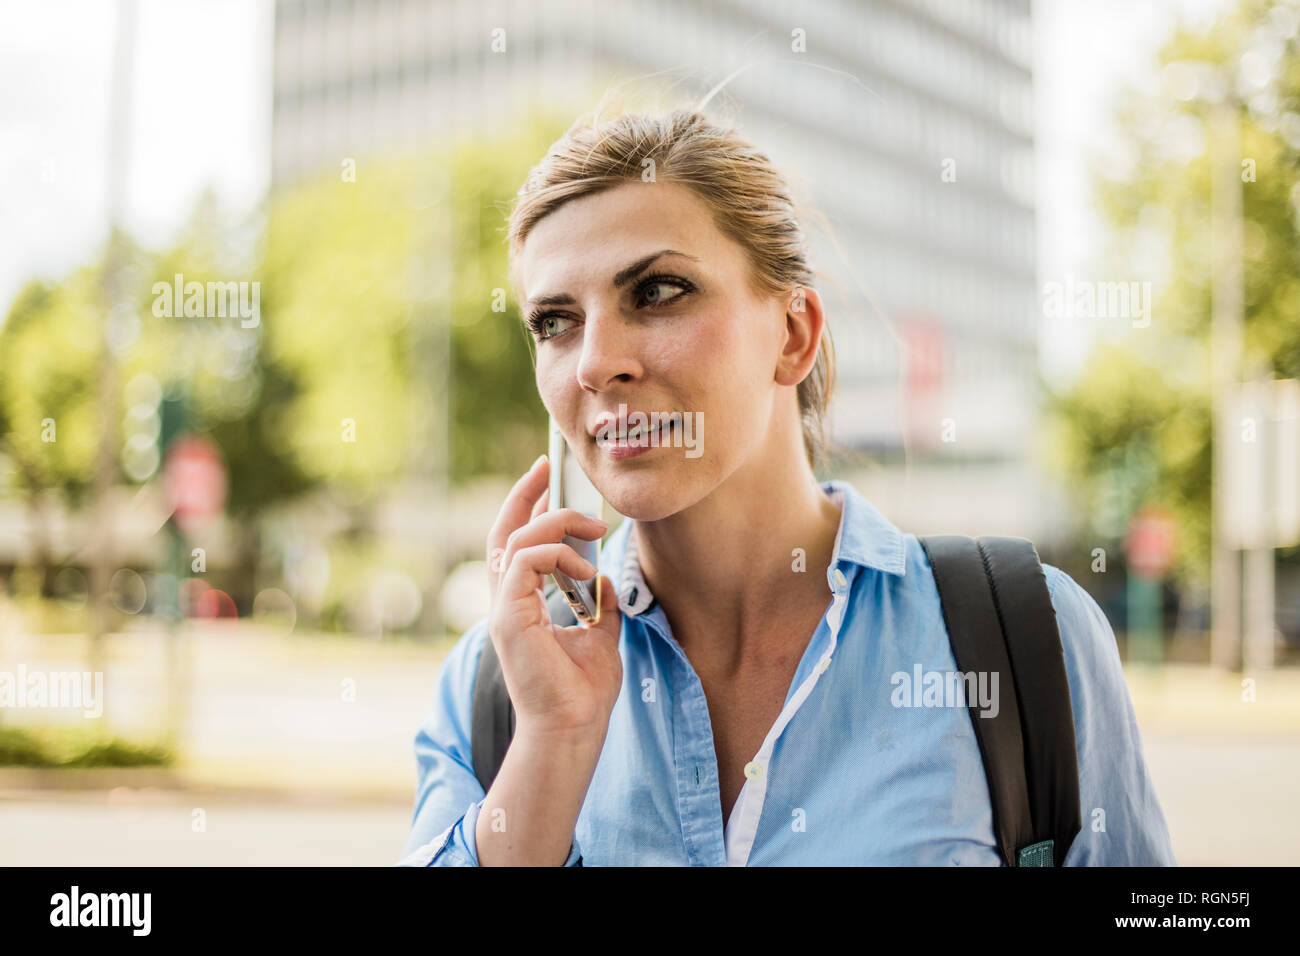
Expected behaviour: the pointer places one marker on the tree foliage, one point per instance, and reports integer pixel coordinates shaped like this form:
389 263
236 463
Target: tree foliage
376 292
1135 428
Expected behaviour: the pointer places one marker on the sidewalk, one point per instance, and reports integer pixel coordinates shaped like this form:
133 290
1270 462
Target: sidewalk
292 770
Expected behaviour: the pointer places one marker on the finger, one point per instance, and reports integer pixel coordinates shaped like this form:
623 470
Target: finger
543 503
526 573
517 507
514 513
550 528
611 618
540 508
501 556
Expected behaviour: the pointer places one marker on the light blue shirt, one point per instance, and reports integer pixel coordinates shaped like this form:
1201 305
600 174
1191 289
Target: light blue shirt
845 776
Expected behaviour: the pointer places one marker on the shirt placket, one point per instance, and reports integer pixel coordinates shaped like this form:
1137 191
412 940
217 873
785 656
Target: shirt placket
743 824
706 841
698 792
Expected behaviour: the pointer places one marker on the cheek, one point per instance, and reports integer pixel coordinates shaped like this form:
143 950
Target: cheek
725 356
551 386
698 352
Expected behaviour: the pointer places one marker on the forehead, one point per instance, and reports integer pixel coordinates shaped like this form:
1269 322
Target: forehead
595 236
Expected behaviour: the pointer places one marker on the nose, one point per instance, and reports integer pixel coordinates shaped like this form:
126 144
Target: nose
609 352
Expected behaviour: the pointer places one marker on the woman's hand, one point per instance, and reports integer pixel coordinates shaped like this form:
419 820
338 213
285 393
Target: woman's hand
563 681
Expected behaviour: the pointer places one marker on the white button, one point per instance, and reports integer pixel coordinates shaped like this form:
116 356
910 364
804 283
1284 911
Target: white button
839 578
753 770
821 668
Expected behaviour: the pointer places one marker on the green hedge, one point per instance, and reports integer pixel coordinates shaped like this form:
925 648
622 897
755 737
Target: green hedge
73 747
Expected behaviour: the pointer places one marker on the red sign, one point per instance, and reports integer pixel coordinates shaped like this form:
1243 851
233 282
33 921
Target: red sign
925 343
1150 543
194 481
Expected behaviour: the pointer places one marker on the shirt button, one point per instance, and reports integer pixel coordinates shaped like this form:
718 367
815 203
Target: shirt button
753 770
839 578
821 668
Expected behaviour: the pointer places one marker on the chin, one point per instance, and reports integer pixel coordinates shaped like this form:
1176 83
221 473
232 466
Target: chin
646 494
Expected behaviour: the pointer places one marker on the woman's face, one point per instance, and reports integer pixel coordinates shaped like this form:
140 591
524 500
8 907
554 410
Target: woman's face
639 304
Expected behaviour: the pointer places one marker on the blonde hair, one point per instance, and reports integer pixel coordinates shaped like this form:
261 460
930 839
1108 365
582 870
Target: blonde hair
750 201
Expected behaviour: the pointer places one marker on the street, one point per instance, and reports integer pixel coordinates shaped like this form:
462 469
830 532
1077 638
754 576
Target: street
297 751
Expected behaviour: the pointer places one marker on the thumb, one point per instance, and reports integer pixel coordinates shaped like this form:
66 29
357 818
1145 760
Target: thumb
611 618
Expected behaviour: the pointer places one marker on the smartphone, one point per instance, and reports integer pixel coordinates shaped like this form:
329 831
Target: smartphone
571 488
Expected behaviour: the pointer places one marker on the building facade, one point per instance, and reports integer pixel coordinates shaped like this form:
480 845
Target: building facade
907 124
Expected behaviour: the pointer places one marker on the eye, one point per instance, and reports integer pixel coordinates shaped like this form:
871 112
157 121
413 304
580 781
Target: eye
653 291
548 325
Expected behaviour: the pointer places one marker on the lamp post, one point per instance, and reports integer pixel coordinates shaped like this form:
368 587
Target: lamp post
117 305
1226 348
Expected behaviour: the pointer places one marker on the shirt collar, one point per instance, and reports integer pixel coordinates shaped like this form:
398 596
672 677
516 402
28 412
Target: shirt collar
865 538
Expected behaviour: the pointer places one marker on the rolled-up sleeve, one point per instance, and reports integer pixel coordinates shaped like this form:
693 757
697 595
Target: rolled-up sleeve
448 796
1123 824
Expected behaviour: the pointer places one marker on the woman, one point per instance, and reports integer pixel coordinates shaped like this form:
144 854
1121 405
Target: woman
733 705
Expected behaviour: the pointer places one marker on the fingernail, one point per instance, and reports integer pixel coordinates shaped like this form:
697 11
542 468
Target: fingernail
540 459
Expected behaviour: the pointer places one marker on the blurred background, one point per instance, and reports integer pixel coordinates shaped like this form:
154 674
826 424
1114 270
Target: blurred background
261 395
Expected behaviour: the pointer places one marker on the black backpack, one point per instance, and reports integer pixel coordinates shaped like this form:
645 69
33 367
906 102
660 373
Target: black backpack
1000 619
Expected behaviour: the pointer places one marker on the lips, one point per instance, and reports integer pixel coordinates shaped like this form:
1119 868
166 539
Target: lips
609 427
633 436
607 424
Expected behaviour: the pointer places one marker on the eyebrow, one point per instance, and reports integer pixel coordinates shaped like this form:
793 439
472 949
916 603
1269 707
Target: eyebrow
621 278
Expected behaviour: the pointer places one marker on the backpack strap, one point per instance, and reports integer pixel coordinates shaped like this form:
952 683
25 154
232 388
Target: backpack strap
1000 619
493 721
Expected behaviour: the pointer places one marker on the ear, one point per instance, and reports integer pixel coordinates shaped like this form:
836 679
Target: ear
804 323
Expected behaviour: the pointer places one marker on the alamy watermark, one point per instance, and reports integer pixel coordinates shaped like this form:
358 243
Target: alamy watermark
130 910
216 300
652 429
1078 299
53 689
946 689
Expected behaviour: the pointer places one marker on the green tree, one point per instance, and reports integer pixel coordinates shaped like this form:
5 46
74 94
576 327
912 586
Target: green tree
1135 428
370 286
377 283
48 422
51 345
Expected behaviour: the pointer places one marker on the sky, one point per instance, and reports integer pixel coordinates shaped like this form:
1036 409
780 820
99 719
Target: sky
55 71
1085 53
211 59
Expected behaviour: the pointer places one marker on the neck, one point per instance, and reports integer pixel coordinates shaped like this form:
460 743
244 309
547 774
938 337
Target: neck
726 569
